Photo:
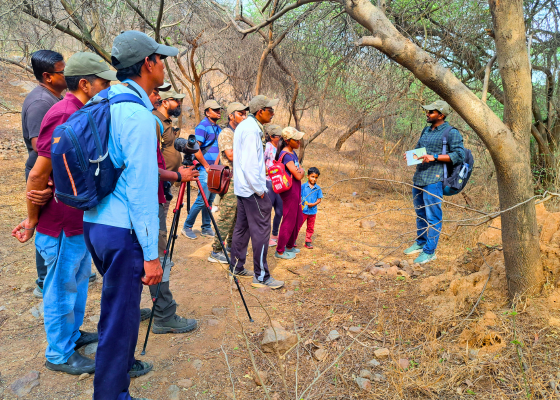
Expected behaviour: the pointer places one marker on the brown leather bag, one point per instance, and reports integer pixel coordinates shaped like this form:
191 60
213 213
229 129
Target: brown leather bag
219 178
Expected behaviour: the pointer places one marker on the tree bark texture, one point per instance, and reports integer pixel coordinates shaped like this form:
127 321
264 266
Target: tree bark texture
353 129
507 142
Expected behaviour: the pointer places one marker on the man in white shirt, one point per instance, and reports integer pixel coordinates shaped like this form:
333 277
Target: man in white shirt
253 205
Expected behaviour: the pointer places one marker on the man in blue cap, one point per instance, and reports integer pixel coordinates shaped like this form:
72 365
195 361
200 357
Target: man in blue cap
122 231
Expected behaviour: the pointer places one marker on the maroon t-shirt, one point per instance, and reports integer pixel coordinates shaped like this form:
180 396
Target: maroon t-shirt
56 216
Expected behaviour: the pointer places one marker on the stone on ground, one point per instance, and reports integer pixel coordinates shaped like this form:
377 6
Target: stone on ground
277 338
173 392
264 377
373 363
320 354
23 385
185 383
333 335
38 311
219 311
366 373
367 224
363 383
404 363
381 353
355 329
83 376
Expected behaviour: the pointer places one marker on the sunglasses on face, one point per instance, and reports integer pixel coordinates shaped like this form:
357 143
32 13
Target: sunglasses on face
270 110
216 110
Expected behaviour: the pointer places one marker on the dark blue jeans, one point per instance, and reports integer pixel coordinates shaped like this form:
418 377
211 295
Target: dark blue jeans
119 259
428 216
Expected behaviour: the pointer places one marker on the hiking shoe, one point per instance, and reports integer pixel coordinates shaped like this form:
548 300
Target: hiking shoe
423 258
86 338
145 313
217 257
207 232
38 292
175 325
308 245
140 368
188 232
287 255
293 250
271 283
244 273
76 365
415 248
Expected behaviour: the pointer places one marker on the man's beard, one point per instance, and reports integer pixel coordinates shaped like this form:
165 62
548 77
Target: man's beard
175 112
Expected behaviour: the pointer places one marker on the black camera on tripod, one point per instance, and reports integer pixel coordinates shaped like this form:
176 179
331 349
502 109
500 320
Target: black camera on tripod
188 147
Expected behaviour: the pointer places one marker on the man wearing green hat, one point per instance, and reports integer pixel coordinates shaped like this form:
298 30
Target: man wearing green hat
428 179
122 231
60 238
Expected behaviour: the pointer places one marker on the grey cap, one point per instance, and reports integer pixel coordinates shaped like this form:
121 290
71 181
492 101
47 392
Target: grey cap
273 130
213 104
260 101
83 63
439 105
171 94
165 87
235 106
131 47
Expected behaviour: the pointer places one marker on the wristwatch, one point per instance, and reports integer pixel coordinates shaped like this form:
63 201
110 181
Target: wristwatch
436 156
179 177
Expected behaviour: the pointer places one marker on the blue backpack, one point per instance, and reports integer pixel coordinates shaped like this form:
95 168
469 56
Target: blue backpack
455 177
83 172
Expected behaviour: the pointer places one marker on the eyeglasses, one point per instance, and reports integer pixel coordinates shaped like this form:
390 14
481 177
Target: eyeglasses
270 110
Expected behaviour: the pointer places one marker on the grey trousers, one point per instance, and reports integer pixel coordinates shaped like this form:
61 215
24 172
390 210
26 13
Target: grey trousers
253 222
166 305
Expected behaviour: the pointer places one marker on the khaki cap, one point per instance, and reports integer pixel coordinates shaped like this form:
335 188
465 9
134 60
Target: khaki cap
439 105
213 104
82 63
235 106
171 94
273 130
290 132
259 102
165 87
131 47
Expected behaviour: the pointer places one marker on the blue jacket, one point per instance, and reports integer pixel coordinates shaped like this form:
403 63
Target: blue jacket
132 144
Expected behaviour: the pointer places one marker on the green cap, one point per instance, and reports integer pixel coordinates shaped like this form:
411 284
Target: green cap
171 94
83 63
259 102
273 130
439 105
235 106
131 47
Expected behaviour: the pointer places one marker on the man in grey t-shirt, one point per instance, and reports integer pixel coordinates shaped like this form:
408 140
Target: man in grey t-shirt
48 68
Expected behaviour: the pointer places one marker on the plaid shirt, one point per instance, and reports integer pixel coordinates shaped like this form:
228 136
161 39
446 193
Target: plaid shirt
431 139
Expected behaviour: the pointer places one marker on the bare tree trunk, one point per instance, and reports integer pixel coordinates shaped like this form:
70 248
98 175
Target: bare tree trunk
520 236
508 143
353 129
260 70
306 141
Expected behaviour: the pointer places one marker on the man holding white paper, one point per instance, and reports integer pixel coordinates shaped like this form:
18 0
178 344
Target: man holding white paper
428 178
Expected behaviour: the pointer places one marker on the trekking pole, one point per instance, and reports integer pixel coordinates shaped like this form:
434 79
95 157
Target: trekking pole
223 247
170 246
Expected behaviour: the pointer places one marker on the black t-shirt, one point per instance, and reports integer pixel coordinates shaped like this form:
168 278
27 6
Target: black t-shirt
35 106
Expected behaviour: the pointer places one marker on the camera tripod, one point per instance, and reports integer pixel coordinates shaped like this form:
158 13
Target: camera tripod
186 186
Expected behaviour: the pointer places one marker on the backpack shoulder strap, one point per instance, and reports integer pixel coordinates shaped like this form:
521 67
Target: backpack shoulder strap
126 98
444 139
282 156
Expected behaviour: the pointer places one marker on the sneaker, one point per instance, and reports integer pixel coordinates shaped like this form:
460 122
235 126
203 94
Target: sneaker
86 338
423 258
217 257
140 368
188 232
415 248
272 242
76 365
287 255
175 325
308 245
38 292
207 232
145 313
271 283
245 273
293 250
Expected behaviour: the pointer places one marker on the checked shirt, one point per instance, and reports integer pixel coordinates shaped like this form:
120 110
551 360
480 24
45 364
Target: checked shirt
432 172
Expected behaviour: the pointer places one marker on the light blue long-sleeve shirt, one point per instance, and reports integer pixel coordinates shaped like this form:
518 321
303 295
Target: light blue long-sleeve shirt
132 144
248 165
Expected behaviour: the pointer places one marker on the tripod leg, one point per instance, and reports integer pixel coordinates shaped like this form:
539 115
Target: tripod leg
223 248
170 245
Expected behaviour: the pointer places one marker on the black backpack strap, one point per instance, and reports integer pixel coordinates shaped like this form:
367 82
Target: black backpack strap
445 146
